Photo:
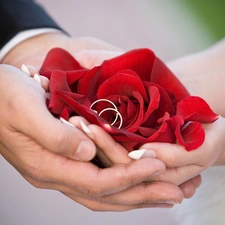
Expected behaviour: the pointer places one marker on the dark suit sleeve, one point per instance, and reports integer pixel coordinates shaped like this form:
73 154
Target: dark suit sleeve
20 15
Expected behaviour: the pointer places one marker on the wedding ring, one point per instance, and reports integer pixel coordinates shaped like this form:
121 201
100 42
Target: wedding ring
108 109
103 100
117 114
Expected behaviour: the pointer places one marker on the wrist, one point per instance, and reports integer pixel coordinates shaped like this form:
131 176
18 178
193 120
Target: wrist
34 46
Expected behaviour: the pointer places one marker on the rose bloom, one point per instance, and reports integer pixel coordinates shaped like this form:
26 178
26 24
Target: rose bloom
134 97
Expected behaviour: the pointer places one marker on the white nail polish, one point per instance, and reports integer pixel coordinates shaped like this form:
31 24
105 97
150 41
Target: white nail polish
86 129
25 70
137 154
37 78
66 122
142 153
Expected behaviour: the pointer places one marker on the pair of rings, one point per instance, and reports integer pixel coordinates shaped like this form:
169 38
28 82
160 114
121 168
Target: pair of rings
118 114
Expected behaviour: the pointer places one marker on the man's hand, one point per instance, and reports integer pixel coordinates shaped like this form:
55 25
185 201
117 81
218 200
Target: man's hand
46 153
33 51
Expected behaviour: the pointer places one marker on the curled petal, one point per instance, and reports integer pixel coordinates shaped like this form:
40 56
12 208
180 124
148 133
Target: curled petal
58 59
122 84
138 60
191 136
195 108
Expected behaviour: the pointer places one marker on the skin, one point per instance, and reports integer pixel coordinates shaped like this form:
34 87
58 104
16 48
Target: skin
43 152
46 153
203 74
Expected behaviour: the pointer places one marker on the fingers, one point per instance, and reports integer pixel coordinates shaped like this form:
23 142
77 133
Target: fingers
189 187
174 155
90 58
91 180
143 195
34 72
105 207
60 138
179 175
147 194
110 152
27 113
208 153
197 181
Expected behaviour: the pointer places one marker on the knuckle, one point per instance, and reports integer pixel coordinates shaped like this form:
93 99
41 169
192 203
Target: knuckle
172 158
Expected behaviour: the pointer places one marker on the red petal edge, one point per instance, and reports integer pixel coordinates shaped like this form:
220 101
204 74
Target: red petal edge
194 108
191 136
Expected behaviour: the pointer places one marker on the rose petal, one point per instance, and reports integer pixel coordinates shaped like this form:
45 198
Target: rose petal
58 82
58 59
138 60
89 83
73 76
195 109
122 84
162 76
191 136
65 114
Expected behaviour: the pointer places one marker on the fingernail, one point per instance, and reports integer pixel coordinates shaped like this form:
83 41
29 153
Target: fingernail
86 130
37 78
85 151
142 153
66 122
25 69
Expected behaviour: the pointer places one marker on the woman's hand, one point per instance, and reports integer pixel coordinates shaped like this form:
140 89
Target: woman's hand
183 165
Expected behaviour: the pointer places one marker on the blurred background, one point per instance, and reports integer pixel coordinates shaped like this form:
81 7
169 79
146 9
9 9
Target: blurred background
171 28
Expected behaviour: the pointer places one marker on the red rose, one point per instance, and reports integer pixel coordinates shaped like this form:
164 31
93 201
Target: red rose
138 95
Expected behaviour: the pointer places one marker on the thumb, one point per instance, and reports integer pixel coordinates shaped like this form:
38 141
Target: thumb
29 115
59 137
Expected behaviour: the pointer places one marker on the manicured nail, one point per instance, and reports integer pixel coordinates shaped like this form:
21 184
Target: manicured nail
142 153
86 130
37 78
25 70
66 122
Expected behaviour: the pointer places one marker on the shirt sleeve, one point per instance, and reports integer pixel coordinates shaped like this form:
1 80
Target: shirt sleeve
22 36
22 15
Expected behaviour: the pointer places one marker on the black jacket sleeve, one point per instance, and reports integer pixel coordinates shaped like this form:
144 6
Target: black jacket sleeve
20 15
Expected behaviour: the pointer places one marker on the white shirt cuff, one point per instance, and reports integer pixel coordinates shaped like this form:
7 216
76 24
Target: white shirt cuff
22 36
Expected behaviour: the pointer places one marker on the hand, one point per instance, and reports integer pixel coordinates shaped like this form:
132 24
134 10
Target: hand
183 165
33 51
202 74
43 150
111 153
89 58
